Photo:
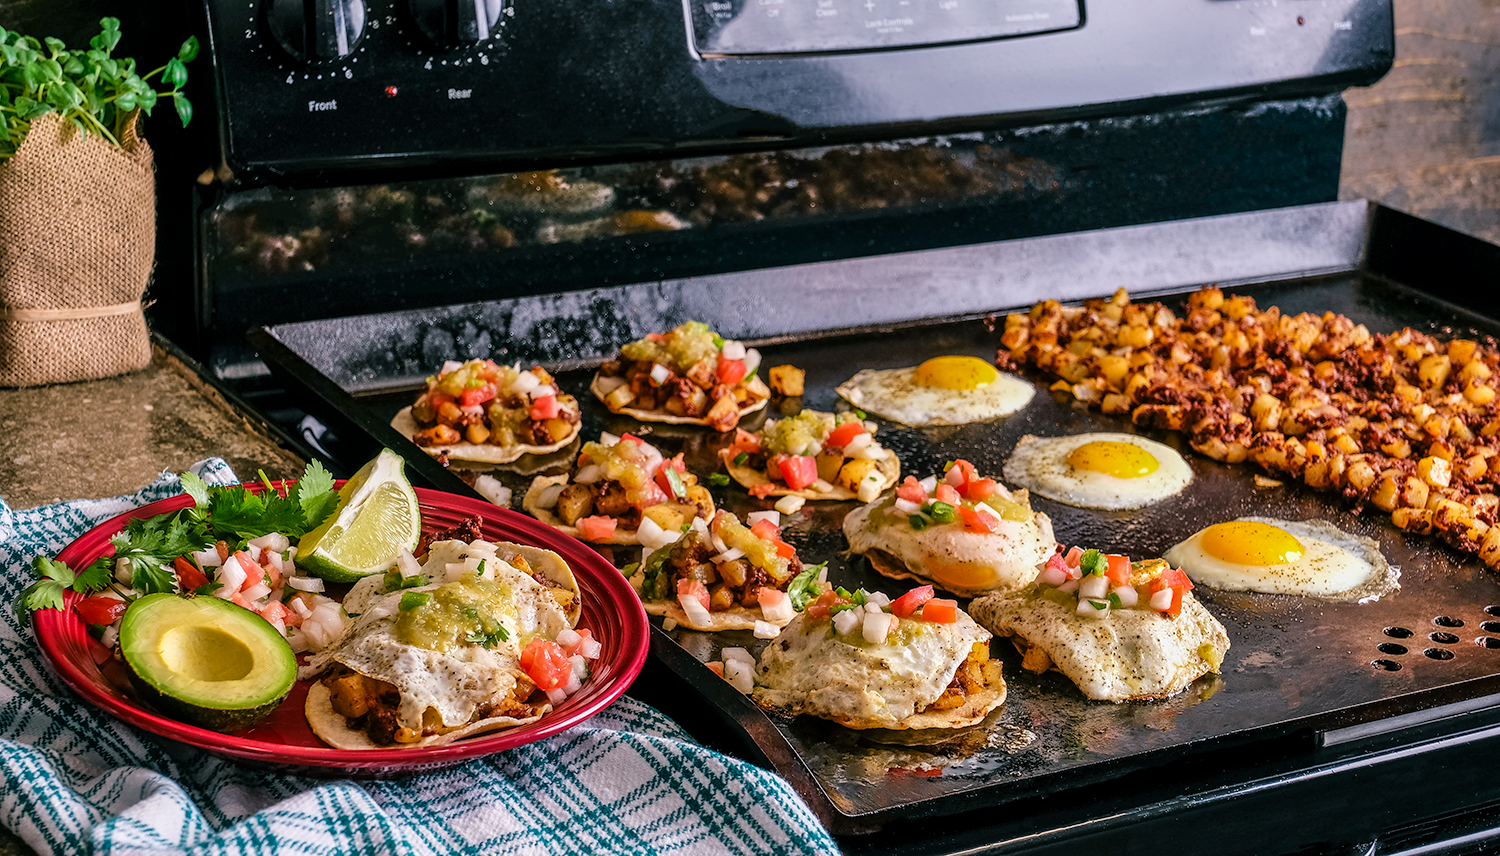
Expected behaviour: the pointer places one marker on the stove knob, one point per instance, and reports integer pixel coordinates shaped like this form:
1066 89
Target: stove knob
451 23
312 30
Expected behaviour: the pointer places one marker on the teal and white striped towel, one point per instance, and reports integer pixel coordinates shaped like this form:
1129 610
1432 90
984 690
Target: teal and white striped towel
628 781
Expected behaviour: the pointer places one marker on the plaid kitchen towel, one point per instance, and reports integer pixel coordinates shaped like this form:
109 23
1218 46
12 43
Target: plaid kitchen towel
629 781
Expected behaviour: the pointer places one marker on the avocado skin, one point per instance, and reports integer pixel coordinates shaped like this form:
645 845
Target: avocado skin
251 700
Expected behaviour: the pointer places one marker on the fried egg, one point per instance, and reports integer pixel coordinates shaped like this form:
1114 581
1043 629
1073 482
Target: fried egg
950 390
1262 554
1106 471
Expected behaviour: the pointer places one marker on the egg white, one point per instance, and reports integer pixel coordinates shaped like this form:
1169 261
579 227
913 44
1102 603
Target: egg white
895 395
1041 464
1335 565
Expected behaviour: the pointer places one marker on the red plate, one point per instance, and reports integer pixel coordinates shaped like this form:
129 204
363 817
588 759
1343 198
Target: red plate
284 741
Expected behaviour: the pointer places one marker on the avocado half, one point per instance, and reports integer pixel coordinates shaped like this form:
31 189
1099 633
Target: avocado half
206 661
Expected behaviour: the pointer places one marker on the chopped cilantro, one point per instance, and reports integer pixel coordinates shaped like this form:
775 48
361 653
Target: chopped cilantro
805 586
489 639
674 481
1114 600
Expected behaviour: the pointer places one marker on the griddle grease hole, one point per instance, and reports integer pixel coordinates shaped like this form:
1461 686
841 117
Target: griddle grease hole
1442 637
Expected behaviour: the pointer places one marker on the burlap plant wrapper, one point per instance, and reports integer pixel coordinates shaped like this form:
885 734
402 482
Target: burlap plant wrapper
77 241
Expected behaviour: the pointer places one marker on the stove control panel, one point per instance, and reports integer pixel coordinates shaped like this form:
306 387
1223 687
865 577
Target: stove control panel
752 27
343 91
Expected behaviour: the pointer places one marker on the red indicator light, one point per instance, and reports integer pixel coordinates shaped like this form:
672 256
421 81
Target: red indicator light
390 92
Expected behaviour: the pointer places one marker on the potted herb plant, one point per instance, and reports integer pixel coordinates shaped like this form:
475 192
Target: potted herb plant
77 205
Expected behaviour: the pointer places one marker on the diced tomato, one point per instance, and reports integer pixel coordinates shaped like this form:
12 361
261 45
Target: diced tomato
664 478
1057 563
1118 570
1180 585
940 611
946 493
693 589
440 398
978 521
764 528
961 473
254 574
911 490
1175 578
731 371
785 550
274 611
584 635
717 667
761 491
631 438
821 607
240 600
657 337
100 609
840 436
1075 555
799 471
544 662
545 407
767 596
744 441
188 575
908 603
597 528
478 395
981 489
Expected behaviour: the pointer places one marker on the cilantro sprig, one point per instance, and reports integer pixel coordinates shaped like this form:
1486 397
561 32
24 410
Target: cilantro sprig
805 586
147 547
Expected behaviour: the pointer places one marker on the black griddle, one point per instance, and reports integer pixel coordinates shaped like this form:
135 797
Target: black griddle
1306 682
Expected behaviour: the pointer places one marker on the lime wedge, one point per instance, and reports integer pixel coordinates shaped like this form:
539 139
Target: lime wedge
377 517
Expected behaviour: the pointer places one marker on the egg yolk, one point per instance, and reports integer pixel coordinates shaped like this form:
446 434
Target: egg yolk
956 373
1246 542
1121 460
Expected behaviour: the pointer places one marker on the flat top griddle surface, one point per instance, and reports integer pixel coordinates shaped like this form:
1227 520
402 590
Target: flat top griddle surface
1296 664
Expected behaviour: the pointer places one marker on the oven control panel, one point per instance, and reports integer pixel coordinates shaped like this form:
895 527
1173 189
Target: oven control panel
752 27
317 91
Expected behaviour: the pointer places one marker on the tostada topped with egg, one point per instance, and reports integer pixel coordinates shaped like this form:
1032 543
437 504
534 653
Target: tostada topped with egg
689 375
962 532
489 413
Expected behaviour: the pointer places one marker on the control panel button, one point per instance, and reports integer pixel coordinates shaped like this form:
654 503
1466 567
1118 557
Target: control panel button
313 30
453 23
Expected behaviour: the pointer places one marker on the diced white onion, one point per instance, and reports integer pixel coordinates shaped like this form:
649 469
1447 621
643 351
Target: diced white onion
822 485
543 391
232 574
474 412
906 506
877 626
869 488
110 636
742 655
718 543
1128 596
740 676
568 637
587 474
766 630
1087 608
659 373
312 584
275 540
823 574
755 517
791 504
859 443
871 452
733 350
122 570
752 361
955 477
729 555
297 639
1162 601
573 685
697 614
253 552
548 497
580 666
493 489
300 606
1093 587
1053 576
209 558
1069 587
780 612
845 622
669 624
877 598
256 592
649 532
406 564
449 366
556 696
591 649
982 507
608 439
700 526
526 381
929 485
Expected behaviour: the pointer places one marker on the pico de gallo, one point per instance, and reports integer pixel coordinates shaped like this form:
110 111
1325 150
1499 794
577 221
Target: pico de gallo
814 451
1101 582
482 402
625 483
961 498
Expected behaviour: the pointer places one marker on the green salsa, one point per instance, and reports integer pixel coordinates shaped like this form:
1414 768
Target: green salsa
679 349
455 612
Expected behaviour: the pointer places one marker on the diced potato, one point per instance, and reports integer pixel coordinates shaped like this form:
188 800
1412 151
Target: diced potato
558 429
1433 370
1461 351
672 516
620 398
575 501
1434 471
853 472
787 380
828 464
